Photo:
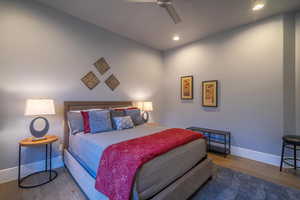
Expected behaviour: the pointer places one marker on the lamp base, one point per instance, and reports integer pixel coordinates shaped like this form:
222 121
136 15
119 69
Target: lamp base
145 116
39 133
34 139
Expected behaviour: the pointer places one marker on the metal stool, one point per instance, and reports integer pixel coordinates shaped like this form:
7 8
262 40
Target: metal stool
290 142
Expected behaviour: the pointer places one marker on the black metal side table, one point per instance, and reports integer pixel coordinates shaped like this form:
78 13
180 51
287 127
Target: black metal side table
217 140
290 142
28 142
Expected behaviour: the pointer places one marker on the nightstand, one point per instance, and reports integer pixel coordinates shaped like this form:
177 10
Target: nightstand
28 142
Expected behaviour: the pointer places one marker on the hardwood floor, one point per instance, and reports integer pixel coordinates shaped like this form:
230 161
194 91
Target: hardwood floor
288 177
64 188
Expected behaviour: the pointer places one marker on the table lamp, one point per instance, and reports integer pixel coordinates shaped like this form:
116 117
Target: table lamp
147 107
38 107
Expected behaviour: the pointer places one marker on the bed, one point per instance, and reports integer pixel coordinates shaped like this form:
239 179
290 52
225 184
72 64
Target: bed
176 174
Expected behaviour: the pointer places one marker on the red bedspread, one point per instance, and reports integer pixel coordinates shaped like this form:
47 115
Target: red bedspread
120 162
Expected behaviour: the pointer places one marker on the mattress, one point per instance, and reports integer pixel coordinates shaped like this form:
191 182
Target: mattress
152 176
88 148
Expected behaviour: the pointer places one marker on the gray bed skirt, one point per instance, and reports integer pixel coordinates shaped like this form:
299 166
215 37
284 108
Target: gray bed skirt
188 184
180 189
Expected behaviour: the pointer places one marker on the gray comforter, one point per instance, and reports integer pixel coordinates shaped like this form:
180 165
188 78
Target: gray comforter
154 175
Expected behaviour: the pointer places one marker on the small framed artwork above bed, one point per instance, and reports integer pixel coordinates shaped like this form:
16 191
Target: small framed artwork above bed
187 90
210 93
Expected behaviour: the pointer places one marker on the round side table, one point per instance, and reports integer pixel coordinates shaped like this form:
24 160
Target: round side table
28 142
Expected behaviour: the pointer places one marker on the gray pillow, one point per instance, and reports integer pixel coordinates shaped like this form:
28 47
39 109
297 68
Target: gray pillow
100 121
116 113
135 115
123 122
75 122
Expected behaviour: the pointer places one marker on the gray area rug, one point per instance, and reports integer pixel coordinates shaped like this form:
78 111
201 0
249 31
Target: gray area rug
228 184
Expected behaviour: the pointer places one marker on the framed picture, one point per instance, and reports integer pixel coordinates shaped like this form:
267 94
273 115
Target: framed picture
112 82
102 66
90 80
210 93
187 88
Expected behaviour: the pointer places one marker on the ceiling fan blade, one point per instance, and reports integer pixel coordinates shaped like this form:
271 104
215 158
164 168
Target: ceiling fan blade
173 14
141 1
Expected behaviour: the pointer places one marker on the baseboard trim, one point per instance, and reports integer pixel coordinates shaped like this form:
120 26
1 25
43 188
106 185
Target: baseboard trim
11 174
256 155
267 158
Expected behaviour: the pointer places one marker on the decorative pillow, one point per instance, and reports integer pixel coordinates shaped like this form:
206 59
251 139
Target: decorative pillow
86 121
75 122
100 121
123 122
116 113
132 108
124 108
135 115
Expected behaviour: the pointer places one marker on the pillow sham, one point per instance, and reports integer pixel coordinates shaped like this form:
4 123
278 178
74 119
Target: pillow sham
135 115
116 113
86 121
75 122
100 121
132 108
123 122
123 108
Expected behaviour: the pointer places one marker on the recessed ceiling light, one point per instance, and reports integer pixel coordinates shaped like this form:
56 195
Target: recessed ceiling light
258 4
176 38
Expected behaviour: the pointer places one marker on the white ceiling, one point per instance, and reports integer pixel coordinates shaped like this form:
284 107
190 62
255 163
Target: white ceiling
151 25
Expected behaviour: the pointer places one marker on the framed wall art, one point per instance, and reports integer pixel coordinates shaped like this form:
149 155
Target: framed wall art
210 93
90 80
112 82
187 89
102 66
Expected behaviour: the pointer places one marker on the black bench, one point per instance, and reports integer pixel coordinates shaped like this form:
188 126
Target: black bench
215 137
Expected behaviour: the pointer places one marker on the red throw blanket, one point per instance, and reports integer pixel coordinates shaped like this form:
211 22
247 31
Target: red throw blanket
120 162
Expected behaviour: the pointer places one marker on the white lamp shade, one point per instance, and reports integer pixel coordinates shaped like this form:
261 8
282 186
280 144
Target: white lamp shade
39 107
148 106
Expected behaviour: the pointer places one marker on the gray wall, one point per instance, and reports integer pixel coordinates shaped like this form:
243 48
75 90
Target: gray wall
298 73
45 53
248 62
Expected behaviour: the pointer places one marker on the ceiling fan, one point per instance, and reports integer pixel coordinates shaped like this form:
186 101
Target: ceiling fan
166 4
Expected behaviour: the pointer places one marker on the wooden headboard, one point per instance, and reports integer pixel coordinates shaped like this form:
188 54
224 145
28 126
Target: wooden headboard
84 105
